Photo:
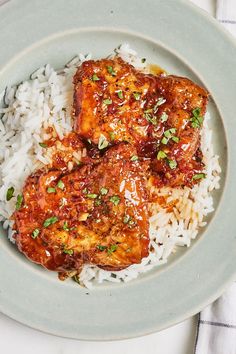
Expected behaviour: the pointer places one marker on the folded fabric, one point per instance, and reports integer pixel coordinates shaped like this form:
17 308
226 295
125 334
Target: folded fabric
217 326
226 14
216 332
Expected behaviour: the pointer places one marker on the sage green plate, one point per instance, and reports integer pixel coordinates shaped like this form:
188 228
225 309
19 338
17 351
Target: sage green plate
185 41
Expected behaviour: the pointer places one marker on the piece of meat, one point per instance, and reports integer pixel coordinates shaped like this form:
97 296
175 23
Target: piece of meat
97 214
114 102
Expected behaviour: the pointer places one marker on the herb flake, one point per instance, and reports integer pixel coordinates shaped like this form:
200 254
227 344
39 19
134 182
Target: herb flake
19 201
120 94
50 221
43 145
60 185
134 158
51 190
115 199
35 233
161 155
103 191
10 193
95 77
107 101
102 142
199 176
111 70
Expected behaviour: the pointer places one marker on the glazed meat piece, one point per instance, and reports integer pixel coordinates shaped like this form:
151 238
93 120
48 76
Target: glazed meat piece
114 102
96 214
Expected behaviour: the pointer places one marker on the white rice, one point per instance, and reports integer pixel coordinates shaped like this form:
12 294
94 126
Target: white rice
45 101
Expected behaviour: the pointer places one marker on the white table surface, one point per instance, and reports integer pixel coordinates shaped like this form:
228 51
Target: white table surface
16 338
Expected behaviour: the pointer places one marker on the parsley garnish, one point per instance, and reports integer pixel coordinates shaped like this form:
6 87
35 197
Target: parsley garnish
172 164
50 221
65 226
60 185
51 190
92 195
112 249
115 199
103 191
143 60
164 117
137 95
43 145
107 101
102 142
134 158
160 101
35 233
69 252
112 136
111 70
161 155
120 94
10 193
19 201
101 248
197 119
150 118
199 176
95 78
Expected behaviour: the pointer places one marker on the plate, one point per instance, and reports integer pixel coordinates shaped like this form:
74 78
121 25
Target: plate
185 41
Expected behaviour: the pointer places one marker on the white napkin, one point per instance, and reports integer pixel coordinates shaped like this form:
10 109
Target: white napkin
216 332
226 14
217 326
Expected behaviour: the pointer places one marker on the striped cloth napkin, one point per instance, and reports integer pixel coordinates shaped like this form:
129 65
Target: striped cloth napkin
216 332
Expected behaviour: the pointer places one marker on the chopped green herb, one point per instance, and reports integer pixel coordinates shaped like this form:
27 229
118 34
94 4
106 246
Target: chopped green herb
35 233
112 136
103 191
164 140
92 195
172 164
120 94
168 133
10 193
175 139
137 95
50 221
95 78
85 191
51 190
101 248
43 145
19 201
160 101
111 70
97 202
161 155
69 252
150 118
112 249
107 101
115 199
199 176
103 142
65 226
127 219
60 185
134 158
197 119
164 117
143 60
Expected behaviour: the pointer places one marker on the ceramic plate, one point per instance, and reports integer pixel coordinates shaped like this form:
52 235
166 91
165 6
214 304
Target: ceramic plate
184 40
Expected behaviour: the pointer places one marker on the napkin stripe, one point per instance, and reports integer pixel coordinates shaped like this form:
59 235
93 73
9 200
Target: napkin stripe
232 22
217 324
197 333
